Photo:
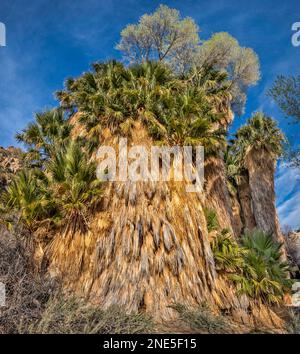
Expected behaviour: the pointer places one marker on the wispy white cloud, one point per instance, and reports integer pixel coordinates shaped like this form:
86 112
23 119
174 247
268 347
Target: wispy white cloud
287 184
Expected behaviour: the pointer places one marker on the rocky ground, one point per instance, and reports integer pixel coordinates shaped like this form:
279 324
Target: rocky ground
10 163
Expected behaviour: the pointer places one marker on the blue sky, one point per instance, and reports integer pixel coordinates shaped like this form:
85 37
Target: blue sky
48 41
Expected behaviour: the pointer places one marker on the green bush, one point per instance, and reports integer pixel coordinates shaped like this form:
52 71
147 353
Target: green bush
259 271
227 253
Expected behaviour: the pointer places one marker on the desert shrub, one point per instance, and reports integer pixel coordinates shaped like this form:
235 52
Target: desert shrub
202 319
35 304
26 292
67 315
293 321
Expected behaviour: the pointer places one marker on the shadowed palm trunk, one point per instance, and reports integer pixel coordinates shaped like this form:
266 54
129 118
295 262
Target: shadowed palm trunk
261 169
244 194
216 191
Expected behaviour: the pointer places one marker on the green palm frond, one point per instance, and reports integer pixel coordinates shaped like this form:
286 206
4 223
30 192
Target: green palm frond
254 266
74 185
260 132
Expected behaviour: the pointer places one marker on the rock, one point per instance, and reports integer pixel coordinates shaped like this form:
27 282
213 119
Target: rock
293 246
10 164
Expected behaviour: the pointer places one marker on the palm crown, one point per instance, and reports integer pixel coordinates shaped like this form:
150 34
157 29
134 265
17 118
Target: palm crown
177 110
260 132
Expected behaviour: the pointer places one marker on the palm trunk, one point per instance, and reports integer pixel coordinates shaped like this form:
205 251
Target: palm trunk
216 192
244 194
261 168
216 189
236 212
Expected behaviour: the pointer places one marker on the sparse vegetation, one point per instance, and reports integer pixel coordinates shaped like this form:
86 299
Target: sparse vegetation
63 315
203 320
27 292
211 219
293 322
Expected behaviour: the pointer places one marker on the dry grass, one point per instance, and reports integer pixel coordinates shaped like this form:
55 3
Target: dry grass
26 292
293 322
72 315
35 304
203 320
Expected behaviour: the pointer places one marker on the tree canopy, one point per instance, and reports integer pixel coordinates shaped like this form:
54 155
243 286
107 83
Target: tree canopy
260 132
223 52
162 35
166 36
286 93
177 111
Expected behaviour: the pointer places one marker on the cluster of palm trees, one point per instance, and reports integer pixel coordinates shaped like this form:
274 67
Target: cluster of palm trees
58 186
177 110
59 180
60 193
251 161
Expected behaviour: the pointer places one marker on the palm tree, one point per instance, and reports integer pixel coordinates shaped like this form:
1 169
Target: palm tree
193 110
174 110
63 193
51 128
214 87
28 196
143 235
257 146
238 181
267 275
255 265
75 189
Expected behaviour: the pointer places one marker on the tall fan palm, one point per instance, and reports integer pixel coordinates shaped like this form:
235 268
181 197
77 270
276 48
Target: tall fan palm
260 133
74 186
51 128
257 145
29 196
